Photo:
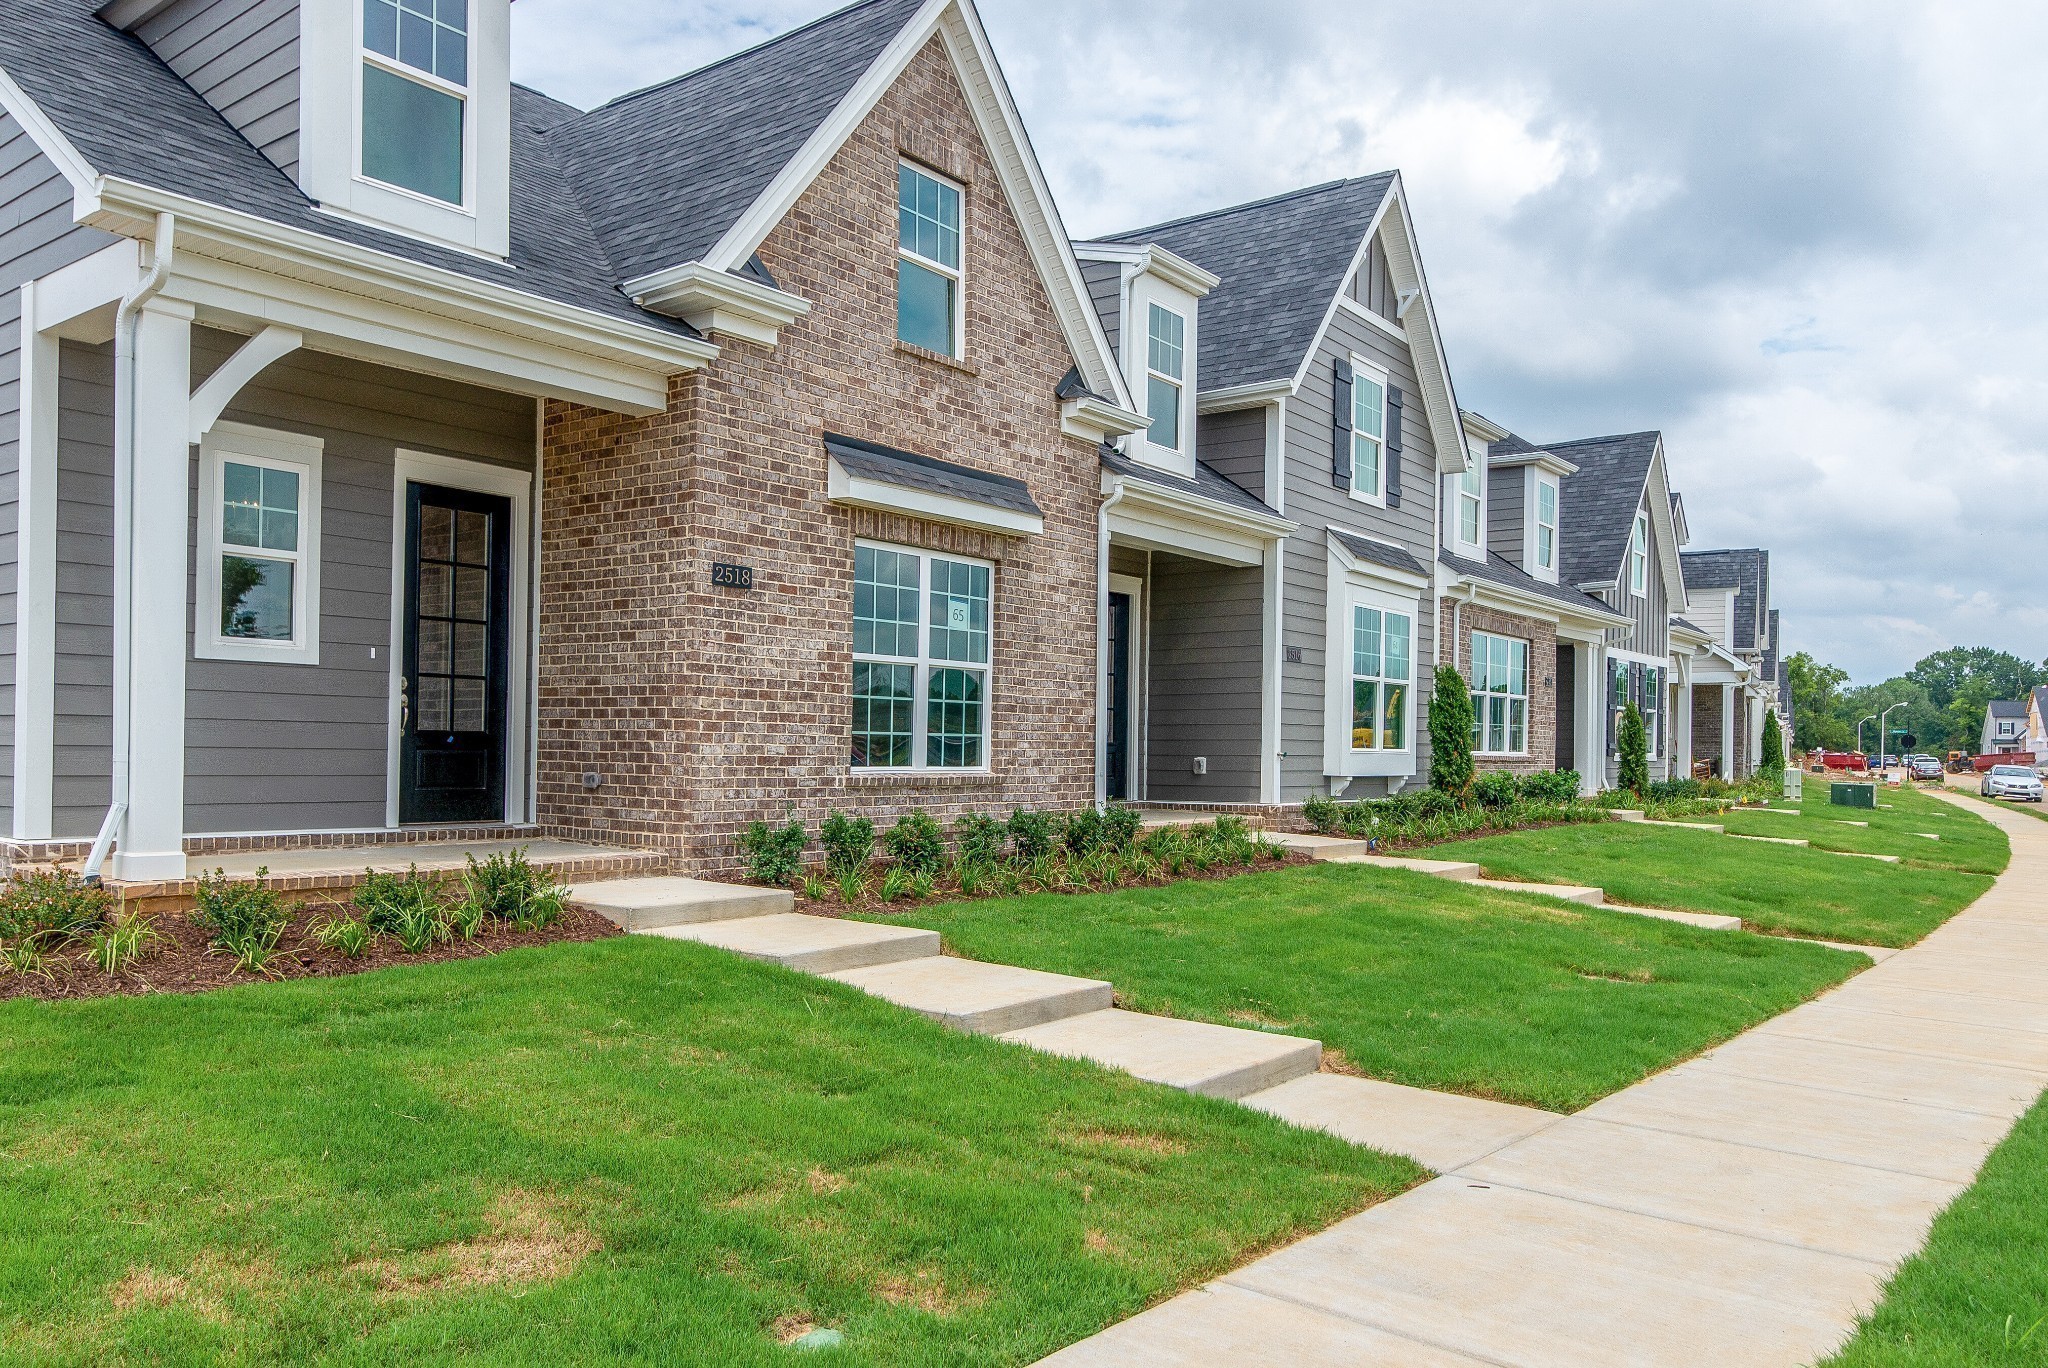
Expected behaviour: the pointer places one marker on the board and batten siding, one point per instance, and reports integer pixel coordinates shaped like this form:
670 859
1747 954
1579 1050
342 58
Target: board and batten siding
1505 490
1203 675
1649 629
1234 446
1105 282
1316 504
268 747
242 56
37 236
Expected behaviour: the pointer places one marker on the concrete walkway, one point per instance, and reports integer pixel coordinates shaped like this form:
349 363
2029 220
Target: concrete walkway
1740 1209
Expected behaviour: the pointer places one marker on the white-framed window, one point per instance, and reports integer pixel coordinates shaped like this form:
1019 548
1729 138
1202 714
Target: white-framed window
416 59
1500 695
1382 677
259 546
928 270
1368 432
1471 504
1166 339
1639 556
921 636
1546 523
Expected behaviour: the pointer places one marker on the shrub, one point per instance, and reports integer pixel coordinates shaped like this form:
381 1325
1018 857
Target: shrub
917 844
348 936
775 855
1676 790
1450 733
897 883
849 843
1494 789
1551 786
52 906
1772 760
1635 751
405 907
1083 832
244 919
508 888
1032 835
983 840
1322 813
1120 827
118 945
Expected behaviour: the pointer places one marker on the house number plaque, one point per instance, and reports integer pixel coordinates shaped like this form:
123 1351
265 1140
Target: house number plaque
728 576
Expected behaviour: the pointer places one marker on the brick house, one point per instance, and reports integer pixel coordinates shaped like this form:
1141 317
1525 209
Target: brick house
402 453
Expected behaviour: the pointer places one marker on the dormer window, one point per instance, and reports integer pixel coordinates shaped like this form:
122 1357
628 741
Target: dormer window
1546 523
928 261
1639 556
1166 335
1470 502
416 96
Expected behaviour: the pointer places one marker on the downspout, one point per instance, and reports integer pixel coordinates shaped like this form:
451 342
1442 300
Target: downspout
126 325
1116 496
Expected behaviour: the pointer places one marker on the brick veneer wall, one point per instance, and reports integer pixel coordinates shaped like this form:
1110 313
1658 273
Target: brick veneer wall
703 709
1706 724
1542 639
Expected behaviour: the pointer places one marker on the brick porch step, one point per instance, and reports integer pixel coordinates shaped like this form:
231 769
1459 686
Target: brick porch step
645 904
986 999
814 945
1215 1061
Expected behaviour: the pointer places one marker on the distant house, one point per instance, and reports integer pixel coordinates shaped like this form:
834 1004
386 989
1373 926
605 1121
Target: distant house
2005 726
1739 675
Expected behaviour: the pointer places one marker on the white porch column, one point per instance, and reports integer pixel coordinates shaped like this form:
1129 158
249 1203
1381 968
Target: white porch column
1728 731
152 835
1270 666
1590 685
1681 727
35 613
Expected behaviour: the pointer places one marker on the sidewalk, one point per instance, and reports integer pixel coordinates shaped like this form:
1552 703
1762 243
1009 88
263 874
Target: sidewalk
1740 1209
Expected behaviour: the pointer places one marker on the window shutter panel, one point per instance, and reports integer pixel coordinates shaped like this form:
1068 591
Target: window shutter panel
1613 706
1340 434
1393 447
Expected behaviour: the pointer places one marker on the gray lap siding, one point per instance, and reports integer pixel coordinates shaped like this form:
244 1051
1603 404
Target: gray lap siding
1204 672
1316 504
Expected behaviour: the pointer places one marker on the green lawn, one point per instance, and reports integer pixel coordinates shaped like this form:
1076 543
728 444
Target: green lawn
1978 1294
1416 980
1968 842
1779 889
634 1150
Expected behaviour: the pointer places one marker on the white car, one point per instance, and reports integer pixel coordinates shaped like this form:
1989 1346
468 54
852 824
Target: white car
2011 781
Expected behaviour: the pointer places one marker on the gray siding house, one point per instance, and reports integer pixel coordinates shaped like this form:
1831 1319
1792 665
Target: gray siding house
1728 595
1314 386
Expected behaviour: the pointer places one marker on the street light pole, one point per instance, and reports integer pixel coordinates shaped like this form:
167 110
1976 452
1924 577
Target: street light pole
1859 731
1880 731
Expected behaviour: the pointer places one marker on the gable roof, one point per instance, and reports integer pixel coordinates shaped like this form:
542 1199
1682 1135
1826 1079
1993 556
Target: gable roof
665 172
1497 569
1207 482
1597 506
1281 260
2011 708
1746 570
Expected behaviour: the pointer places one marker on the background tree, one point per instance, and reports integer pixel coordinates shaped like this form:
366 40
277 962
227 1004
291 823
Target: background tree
1450 733
1772 760
1635 751
1817 705
1946 675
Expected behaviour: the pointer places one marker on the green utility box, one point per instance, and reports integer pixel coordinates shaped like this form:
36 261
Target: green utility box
1853 795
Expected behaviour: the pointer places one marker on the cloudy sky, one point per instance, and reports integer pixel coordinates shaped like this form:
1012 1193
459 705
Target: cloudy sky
1804 237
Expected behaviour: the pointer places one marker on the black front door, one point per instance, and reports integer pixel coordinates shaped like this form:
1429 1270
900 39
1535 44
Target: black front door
458 591
1117 759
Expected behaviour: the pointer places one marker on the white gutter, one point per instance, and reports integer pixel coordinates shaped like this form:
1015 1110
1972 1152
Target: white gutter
125 328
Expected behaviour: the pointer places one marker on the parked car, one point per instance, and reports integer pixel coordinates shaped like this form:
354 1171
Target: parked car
2017 782
1926 767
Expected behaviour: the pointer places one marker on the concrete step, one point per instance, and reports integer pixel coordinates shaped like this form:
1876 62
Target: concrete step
1630 815
1709 921
1715 827
1442 1131
1215 1061
1442 869
987 999
1865 855
1322 847
1590 897
1773 840
1844 821
644 904
816 945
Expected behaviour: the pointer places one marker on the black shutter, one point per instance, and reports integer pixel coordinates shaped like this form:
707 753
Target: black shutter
1613 707
1340 435
1393 447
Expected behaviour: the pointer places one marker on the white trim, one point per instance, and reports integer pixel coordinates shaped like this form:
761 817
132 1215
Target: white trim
454 472
78 302
1140 294
1273 637
1150 258
1378 375
1535 482
265 448
35 601
1354 309
1097 420
1471 645
857 491
211 398
1343 561
1276 455
49 140
1156 518
1453 497
1235 397
924 664
1638 562
1350 584
1183 388
718 301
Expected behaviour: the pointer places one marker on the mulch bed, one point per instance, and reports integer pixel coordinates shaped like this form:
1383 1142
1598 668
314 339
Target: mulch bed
179 961
831 905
